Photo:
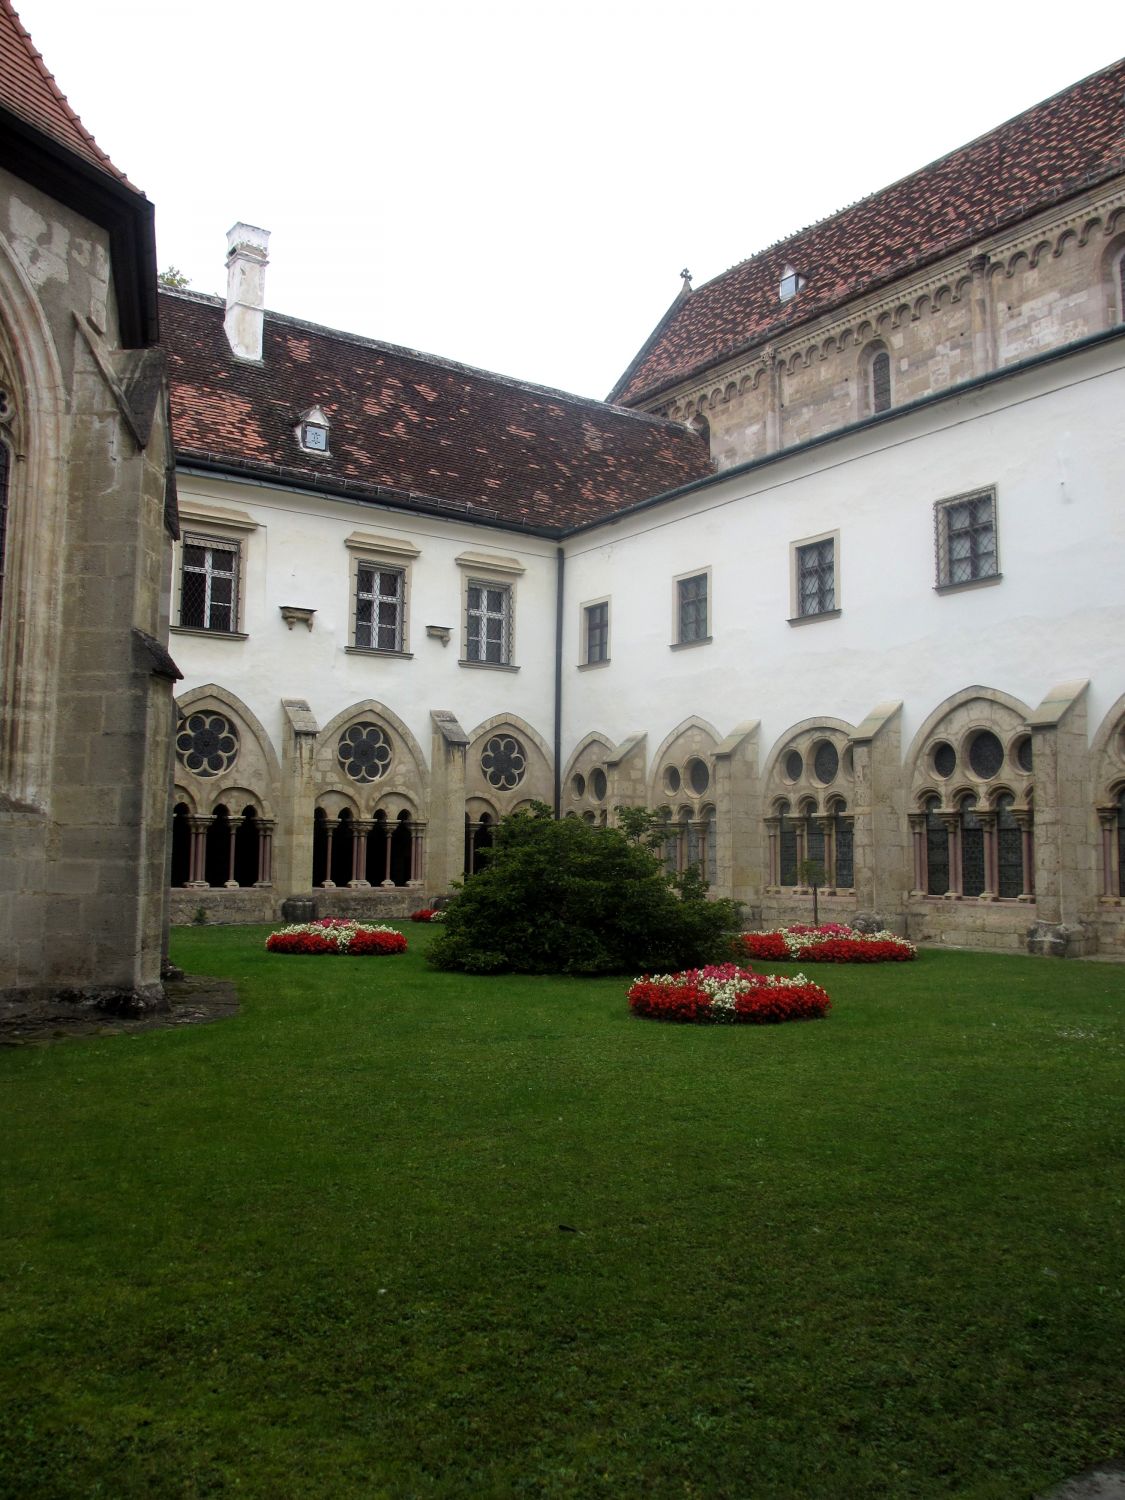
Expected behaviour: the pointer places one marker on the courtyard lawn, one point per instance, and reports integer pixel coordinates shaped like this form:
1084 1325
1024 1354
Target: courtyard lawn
399 1233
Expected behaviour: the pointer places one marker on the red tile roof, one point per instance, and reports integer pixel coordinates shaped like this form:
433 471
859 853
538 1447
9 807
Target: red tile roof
28 90
428 430
1052 151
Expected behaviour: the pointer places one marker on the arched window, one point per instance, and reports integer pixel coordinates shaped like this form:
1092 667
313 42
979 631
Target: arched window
247 848
217 866
843 877
181 844
972 849
937 849
1121 842
1121 287
5 465
342 853
814 842
881 382
710 849
1010 879
701 425
787 845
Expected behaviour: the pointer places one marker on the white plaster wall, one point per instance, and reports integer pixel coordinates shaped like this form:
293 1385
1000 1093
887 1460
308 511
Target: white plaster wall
297 556
1049 440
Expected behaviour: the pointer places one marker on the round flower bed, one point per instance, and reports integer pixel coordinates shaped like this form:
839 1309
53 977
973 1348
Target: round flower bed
726 993
831 943
334 935
426 914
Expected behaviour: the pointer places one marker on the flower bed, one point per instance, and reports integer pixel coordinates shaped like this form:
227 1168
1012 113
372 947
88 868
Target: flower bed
726 993
426 914
334 935
831 943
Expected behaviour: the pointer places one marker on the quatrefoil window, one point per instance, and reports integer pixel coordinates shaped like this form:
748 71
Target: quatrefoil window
503 762
206 744
364 752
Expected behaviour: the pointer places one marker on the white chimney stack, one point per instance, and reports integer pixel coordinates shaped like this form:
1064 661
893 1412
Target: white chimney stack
247 259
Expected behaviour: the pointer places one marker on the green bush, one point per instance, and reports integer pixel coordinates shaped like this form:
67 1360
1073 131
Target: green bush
565 898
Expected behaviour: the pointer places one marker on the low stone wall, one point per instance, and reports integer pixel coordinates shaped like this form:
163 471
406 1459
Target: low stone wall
1108 922
224 908
993 926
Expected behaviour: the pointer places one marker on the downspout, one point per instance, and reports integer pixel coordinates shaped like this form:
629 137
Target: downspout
560 571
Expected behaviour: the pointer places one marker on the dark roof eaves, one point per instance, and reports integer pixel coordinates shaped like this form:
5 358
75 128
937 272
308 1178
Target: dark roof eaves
935 398
408 501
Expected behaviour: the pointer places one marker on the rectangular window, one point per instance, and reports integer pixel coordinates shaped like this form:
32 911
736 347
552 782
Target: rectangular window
488 633
380 598
595 618
692 623
965 533
209 584
816 578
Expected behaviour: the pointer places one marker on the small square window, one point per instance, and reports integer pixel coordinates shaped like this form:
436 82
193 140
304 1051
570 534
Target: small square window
314 437
693 615
595 633
965 539
488 623
209 575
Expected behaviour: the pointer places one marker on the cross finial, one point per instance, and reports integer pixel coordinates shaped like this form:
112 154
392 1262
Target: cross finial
685 274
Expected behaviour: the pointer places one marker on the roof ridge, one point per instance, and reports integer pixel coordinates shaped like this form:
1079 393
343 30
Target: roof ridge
909 176
458 366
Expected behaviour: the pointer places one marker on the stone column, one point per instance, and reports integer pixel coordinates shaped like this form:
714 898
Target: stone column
1065 861
388 834
878 837
234 824
980 313
918 840
360 829
827 826
952 823
446 813
1027 856
265 852
773 833
739 852
987 821
417 854
293 844
197 864
330 827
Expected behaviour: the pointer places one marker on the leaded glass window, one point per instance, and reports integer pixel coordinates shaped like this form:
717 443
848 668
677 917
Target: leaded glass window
881 382
699 776
816 578
794 765
597 632
814 845
206 743
972 849
1009 850
966 538
209 584
845 858
937 850
380 596
489 629
787 848
364 752
945 759
711 862
826 762
4 468
986 755
1023 754
1121 844
691 608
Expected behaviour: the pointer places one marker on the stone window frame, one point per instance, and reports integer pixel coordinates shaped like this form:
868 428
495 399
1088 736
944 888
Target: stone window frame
796 617
483 570
679 642
806 798
945 583
230 530
385 554
872 400
585 660
983 802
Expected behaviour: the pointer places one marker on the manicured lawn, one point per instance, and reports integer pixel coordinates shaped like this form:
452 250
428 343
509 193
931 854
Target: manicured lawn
319 1250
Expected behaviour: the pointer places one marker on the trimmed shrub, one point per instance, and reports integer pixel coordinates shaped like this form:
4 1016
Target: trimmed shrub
560 897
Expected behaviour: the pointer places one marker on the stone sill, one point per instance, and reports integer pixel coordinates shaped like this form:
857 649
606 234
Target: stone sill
220 635
690 645
970 583
592 666
488 666
377 651
825 614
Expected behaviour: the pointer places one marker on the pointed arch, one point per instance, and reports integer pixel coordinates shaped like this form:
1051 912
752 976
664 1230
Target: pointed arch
256 767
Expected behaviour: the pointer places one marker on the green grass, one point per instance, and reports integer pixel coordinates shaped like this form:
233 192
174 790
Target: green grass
316 1250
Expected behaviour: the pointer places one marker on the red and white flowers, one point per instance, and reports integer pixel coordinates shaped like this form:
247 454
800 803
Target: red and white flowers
427 914
336 935
831 943
726 993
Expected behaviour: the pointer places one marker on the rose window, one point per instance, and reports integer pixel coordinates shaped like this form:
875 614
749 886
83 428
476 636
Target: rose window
364 752
206 744
503 762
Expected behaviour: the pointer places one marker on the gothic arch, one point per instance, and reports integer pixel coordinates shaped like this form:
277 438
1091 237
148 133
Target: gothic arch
1107 754
508 762
255 768
579 788
405 780
29 626
986 696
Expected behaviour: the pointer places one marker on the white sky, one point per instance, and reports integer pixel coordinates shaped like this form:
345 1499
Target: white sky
517 185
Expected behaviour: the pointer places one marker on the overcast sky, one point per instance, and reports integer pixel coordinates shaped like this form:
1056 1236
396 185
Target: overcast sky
518 185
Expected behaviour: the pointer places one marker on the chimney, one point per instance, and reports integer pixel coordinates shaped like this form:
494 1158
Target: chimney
247 259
